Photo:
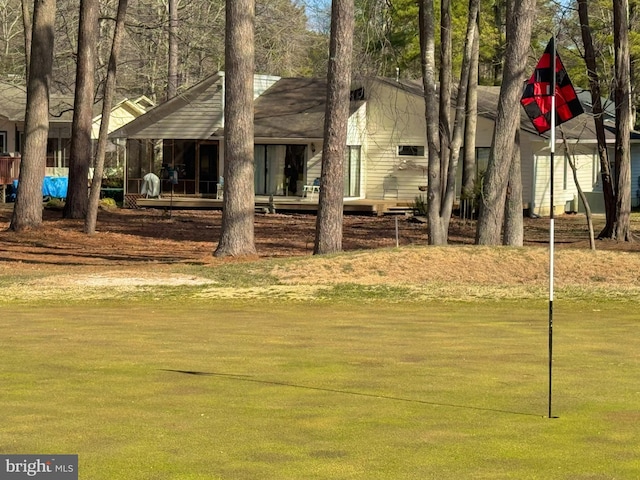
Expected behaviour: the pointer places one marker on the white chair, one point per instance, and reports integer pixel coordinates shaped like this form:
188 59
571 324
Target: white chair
310 190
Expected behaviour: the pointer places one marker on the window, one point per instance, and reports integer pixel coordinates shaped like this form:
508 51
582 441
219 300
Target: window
352 172
19 139
482 160
357 94
3 142
411 150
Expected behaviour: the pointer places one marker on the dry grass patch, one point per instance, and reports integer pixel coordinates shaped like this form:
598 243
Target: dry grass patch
473 266
408 273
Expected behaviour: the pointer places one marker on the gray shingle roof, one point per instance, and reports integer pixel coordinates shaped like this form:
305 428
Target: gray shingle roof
292 108
13 100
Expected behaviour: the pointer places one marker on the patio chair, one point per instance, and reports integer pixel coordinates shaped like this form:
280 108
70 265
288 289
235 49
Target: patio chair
390 185
311 189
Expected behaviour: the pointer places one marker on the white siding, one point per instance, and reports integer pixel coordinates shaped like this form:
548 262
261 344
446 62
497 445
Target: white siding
120 116
196 119
357 126
565 190
194 115
314 164
394 118
261 83
526 169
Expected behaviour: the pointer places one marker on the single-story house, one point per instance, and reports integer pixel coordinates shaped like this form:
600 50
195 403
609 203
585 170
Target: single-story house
386 146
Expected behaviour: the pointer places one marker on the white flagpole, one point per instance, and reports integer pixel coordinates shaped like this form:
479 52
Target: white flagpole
551 216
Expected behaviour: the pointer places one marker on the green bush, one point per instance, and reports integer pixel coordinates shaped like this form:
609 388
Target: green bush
54 204
420 206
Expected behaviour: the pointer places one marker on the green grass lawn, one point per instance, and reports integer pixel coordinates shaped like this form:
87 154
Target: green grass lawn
257 389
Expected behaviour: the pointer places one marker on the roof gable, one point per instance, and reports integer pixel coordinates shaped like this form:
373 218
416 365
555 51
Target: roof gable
195 113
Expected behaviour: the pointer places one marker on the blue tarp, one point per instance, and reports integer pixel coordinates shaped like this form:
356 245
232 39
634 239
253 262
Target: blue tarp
54 187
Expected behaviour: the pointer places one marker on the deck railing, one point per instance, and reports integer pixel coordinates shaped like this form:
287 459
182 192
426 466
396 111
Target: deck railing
9 169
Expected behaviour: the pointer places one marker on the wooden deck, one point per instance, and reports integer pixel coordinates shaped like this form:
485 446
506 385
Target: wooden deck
281 204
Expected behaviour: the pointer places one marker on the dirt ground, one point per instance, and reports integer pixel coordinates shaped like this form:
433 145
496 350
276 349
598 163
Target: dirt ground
128 237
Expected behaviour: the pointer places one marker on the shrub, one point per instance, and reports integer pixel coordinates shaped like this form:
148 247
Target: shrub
54 203
420 206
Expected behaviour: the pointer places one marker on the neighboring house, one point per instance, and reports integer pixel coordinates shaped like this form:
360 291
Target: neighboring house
386 145
12 117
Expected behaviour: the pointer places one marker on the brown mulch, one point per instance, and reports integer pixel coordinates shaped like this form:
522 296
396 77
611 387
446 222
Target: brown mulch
129 237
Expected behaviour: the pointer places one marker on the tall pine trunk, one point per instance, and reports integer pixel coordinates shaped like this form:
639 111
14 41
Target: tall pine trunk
237 232
28 27
109 92
172 74
622 93
469 173
520 16
330 204
81 150
27 212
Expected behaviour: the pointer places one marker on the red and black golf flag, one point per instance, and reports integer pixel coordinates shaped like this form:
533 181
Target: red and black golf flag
537 95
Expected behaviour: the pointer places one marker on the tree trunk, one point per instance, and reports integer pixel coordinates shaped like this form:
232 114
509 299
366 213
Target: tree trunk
81 148
596 100
469 173
330 204
499 7
583 197
109 92
520 16
443 141
434 182
172 80
237 232
457 135
27 212
26 22
622 91
444 109
513 221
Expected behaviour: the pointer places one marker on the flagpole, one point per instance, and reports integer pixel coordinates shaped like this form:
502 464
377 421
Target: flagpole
552 146
540 104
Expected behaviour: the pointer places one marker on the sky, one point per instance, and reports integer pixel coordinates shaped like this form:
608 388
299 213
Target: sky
317 13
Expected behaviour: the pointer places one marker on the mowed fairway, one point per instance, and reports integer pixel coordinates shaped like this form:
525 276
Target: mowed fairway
282 389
